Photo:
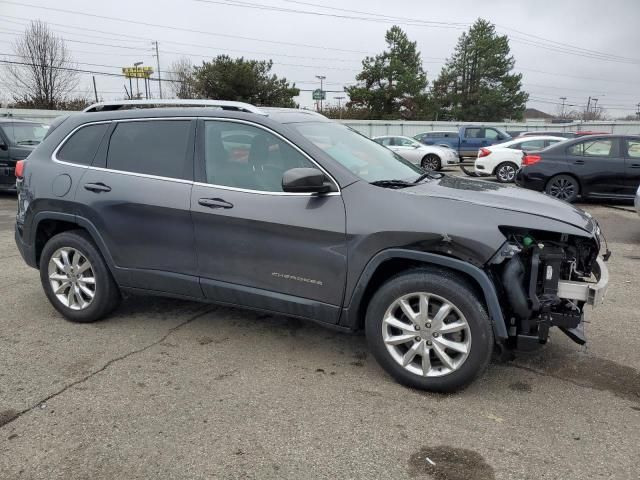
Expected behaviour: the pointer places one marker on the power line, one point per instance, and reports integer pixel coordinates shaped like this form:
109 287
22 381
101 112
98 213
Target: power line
179 29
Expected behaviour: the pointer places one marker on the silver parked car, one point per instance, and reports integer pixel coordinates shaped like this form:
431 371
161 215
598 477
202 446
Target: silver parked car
637 200
433 157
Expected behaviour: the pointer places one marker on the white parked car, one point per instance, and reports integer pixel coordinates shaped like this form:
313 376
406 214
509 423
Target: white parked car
637 201
432 157
504 159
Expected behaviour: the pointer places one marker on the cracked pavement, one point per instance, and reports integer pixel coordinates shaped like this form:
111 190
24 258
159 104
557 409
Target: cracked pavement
173 389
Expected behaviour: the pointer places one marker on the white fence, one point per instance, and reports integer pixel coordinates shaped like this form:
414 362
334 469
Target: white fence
373 128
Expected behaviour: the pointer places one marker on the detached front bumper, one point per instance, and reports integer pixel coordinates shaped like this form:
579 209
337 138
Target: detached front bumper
591 293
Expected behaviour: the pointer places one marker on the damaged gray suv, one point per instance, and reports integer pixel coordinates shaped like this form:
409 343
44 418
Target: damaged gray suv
288 212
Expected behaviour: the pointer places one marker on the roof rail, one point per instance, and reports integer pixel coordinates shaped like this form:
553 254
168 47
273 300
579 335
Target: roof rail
156 103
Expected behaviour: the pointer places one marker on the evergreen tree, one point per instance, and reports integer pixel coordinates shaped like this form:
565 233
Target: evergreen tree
476 84
243 81
393 83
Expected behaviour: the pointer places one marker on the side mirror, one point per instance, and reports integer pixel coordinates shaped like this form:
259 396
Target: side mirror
3 146
500 137
415 145
305 180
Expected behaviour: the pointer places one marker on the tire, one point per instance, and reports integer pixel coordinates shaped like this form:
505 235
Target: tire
72 249
442 286
563 187
431 162
506 172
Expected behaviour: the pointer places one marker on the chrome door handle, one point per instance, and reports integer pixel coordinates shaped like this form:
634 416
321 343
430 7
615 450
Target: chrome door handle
97 187
215 203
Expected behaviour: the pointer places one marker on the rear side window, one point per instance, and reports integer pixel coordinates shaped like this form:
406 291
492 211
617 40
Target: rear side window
82 146
474 133
592 148
155 147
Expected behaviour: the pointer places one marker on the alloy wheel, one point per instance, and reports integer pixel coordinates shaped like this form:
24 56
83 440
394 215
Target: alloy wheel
72 278
562 188
426 334
506 173
430 162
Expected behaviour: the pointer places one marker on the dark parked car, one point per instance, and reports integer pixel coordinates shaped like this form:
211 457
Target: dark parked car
597 166
288 212
18 138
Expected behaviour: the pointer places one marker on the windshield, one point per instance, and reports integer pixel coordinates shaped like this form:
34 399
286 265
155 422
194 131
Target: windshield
362 156
25 133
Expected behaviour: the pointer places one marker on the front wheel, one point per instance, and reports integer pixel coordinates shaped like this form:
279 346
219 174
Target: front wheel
506 172
428 330
76 278
431 162
563 187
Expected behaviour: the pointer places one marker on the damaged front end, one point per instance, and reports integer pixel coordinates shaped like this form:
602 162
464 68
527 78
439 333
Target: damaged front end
547 279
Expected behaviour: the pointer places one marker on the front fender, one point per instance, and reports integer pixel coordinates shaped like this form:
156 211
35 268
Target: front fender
352 311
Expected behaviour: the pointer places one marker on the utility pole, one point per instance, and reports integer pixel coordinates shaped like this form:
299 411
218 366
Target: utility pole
159 76
321 78
137 64
95 90
340 105
562 111
638 112
595 107
588 107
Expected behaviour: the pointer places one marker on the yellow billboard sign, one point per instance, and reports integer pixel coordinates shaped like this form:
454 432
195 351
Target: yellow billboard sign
137 72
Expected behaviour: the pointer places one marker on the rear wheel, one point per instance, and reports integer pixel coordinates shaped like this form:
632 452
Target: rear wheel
563 187
431 162
506 172
76 278
428 330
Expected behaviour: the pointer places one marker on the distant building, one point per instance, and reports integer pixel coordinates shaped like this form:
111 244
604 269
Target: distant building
535 114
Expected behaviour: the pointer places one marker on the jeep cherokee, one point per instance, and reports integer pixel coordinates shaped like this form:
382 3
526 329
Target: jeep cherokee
288 212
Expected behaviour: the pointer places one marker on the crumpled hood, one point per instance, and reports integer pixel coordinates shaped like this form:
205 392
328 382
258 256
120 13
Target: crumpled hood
505 197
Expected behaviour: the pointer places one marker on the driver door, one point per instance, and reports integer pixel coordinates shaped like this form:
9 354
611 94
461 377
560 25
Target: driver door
258 246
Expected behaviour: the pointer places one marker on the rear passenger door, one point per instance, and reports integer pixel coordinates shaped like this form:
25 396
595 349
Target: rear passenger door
257 245
137 195
631 148
599 166
472 141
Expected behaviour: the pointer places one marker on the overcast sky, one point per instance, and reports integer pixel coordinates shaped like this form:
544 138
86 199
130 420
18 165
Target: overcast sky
553 42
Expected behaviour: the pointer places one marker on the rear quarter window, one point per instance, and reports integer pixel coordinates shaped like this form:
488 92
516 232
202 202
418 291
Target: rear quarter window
81 146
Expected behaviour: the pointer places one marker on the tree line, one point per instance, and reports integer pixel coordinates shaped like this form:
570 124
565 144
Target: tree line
476 83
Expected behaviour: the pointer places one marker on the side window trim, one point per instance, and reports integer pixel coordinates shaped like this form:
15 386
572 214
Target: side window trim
54 154
200 177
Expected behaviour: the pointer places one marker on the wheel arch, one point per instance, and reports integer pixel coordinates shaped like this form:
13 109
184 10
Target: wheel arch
47 224
393 261
495 169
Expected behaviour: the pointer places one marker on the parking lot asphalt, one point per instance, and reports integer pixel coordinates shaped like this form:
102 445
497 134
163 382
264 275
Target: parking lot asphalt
171 389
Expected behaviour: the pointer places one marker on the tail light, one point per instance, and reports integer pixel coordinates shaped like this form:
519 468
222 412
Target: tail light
483 152
530 160
19 171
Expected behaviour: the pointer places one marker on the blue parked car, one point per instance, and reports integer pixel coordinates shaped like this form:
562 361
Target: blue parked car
467 140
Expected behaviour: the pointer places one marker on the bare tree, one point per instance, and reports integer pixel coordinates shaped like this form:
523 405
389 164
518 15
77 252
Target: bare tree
181 78
42 75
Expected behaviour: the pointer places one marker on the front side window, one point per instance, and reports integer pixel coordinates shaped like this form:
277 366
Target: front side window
153 147
633 148
360 155
82 146
384 141
592 148
491 134
248 157
404 142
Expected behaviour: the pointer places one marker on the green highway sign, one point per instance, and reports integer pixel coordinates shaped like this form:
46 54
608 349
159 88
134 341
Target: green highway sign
319 94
